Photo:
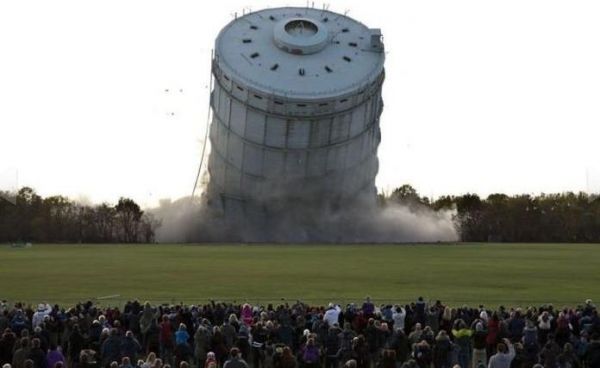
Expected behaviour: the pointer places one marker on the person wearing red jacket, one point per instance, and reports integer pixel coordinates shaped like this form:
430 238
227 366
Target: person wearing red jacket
493 328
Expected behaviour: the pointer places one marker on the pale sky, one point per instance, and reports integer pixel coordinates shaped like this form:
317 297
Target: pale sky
480 96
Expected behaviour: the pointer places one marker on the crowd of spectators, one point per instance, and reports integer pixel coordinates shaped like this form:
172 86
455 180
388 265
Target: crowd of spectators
295 335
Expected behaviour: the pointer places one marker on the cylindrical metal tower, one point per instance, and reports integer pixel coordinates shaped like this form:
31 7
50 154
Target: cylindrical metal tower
296 105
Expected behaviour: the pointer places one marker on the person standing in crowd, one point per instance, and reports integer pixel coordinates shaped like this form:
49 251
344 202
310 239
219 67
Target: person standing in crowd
360 352
211 360
479 345
18 322
146 321
182 347
332 314
202 342
287 359
544 327
420 308
368 308
493 329
505 352
311 355
332 347
7 345
130 347
247 315
54 356
345 338
462 338
43 310
399 317
20 355
75 344
442 350
111 348
166 339
422 354
235 361
592 353
36 354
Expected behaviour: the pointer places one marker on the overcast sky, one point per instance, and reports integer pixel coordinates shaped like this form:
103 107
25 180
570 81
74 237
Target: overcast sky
480 96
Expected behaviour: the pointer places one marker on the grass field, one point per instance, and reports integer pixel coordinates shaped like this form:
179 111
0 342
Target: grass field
511 274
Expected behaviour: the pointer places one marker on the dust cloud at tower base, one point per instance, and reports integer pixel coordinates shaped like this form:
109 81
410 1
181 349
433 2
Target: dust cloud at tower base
294 135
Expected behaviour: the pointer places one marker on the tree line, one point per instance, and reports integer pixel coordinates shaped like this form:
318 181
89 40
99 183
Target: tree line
561 217
27 217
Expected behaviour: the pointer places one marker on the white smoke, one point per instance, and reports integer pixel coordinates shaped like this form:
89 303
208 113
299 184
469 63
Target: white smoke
186 220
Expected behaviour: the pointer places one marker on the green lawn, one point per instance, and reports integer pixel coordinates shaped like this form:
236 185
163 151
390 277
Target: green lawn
511 274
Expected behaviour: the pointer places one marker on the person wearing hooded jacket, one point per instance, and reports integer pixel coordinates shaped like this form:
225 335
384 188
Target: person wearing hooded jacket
130 347
311 354
462 337
147 320
42 311
54 356
442 350
332 314
111 348
202 339
18 322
